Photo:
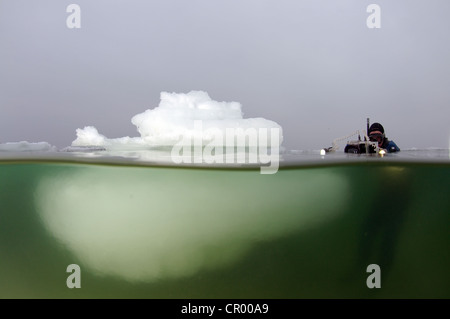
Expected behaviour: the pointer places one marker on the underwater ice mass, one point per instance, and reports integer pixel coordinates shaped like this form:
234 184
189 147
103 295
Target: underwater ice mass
176 120
151 224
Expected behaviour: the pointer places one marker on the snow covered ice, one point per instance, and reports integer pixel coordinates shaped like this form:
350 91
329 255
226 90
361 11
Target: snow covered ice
25 146
176 119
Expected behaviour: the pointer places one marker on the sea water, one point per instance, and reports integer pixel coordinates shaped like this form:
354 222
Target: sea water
85 225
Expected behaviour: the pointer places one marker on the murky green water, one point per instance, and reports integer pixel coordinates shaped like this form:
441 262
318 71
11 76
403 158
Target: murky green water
167 232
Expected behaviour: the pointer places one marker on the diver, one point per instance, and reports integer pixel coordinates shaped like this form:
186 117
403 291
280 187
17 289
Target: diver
376 134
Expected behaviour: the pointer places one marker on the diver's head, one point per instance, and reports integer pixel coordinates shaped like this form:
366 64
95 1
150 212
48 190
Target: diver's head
376 133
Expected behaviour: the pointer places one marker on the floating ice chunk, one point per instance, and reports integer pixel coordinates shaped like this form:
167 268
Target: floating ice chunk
89 136
176 119
25 146
83 149
177 115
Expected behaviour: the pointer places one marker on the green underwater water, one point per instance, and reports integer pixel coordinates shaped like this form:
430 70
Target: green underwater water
308 231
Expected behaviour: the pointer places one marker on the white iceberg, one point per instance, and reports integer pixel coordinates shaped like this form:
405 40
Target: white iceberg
176 119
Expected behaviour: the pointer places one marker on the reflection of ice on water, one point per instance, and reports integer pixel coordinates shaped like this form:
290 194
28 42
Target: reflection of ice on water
145 224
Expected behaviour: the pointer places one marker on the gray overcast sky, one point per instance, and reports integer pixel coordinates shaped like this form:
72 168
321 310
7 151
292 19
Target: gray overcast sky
313 66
